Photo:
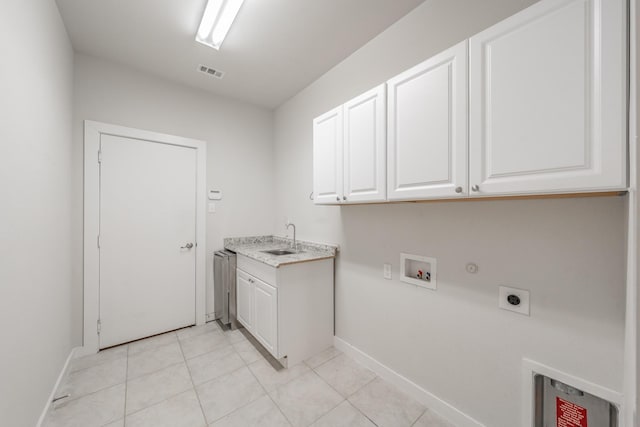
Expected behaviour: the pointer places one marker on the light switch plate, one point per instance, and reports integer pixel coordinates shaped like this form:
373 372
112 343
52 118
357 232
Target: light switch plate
212 207
387 271
520 295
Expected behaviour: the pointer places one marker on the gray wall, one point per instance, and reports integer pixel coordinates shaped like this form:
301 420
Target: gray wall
455 342
35 198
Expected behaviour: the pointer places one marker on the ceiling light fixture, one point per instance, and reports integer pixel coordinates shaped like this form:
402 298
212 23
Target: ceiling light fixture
216 21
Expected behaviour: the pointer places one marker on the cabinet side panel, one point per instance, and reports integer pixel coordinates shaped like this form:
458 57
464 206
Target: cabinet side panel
305 309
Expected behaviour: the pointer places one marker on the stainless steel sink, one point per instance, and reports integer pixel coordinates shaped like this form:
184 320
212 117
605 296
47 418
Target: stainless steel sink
281 252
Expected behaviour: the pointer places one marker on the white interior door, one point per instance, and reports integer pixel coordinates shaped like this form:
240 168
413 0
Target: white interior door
147 220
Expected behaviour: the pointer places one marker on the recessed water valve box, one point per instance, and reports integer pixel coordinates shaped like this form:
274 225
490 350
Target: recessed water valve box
562 405
418 270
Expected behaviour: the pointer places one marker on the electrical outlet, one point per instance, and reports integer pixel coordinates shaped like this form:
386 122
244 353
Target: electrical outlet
512 299
387 271
472 268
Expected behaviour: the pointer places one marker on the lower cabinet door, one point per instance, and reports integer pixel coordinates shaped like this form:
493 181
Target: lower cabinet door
245 299
266 316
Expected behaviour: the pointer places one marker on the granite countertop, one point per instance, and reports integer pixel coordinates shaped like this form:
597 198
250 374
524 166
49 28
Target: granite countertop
253 247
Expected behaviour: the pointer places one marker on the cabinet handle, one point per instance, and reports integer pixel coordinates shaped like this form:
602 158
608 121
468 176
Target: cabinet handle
458 189
344 197
338 198
475 188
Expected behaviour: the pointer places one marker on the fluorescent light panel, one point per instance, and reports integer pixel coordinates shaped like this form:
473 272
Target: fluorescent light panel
216 21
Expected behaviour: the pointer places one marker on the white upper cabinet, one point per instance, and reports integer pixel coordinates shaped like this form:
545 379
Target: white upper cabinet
427 135
349 151
547 100
327 157
365 147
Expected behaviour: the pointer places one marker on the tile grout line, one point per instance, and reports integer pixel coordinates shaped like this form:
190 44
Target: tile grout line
138 353
195 391
216 348
126 387
74 399
326 361
358 409
268 395
346 399
98 363
419 416
248 403
173 395
369 382
158 403
165 398
359 388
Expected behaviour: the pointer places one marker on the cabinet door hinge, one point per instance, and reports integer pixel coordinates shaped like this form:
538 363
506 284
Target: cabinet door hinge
99 326
99 156
98 241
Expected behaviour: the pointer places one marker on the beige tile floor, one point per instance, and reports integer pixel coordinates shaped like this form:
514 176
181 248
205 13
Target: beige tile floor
203 376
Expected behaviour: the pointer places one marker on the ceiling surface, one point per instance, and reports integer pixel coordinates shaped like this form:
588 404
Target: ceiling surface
274 49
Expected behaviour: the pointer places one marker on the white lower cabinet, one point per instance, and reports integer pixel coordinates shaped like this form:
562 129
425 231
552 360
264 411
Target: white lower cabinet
288 309
245 299
266 315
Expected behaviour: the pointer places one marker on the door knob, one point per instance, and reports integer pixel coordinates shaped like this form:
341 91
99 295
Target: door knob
187 246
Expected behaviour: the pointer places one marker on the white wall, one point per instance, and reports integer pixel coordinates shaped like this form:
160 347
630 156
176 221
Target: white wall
35 206
632 367
240 147
455 342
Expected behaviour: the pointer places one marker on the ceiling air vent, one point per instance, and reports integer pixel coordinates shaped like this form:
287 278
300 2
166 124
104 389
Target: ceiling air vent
210 71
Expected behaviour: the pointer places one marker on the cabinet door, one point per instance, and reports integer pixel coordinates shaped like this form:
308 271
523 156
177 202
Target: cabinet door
427 137
245 299
365 157
547 100
327 157
266 316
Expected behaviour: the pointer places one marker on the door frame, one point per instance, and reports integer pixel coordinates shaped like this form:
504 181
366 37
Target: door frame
92 134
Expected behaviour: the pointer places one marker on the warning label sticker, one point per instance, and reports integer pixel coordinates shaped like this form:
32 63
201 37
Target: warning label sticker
569 414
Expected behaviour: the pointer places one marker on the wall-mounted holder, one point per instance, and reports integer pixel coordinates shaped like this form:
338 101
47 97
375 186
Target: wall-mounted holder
418 270
215 195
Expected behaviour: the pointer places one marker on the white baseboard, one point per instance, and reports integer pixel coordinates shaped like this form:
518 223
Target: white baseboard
63 372
434 403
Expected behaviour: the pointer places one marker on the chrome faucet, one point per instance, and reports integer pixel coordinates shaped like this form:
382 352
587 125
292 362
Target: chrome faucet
290 224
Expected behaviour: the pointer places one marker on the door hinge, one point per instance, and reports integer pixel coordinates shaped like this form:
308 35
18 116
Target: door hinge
99 326
98 241
99 156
